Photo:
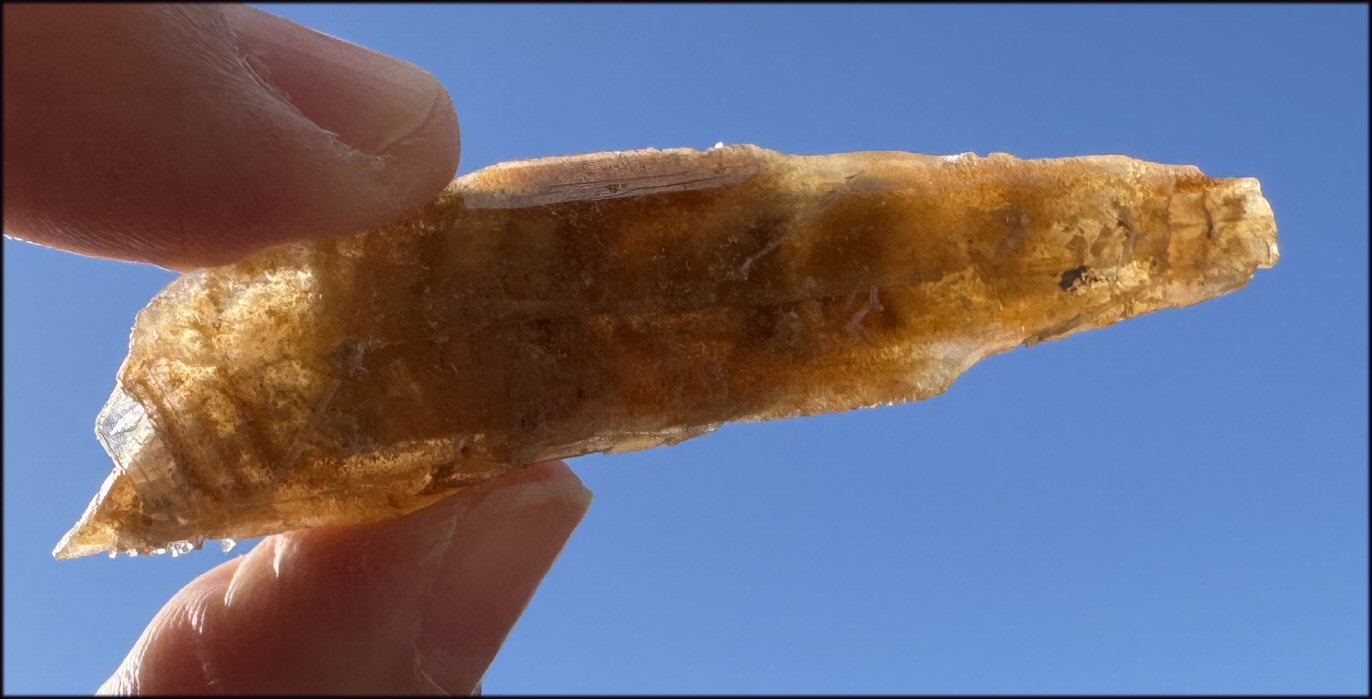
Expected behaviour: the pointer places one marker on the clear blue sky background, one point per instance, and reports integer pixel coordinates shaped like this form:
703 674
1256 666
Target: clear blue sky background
1177 503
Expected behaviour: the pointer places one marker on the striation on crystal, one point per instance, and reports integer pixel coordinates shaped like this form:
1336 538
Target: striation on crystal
619 301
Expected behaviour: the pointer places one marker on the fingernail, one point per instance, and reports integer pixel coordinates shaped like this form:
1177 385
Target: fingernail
371 101
498 555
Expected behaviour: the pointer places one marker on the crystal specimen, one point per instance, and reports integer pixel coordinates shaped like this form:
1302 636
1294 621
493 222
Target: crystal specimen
620 301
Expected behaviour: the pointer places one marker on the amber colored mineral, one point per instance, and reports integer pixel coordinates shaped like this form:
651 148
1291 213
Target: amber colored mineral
620 301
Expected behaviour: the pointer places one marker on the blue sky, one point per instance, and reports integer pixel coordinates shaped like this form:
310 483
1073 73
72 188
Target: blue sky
1174 504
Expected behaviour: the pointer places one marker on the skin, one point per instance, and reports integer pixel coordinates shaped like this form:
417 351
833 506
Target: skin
191 135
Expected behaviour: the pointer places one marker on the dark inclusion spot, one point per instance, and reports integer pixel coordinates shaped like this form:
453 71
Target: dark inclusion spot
440 477
1072 277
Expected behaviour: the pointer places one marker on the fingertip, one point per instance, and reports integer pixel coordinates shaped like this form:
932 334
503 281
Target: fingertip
419 603
489 575
189 135
392 125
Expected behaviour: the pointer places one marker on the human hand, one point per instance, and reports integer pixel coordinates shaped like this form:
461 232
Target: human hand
191 135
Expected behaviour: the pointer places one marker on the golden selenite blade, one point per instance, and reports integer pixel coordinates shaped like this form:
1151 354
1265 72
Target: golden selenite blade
619 301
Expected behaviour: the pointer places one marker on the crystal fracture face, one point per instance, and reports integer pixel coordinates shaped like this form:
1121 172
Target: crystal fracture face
620 301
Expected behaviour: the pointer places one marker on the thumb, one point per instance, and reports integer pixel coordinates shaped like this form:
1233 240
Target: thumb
189 135
417 604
